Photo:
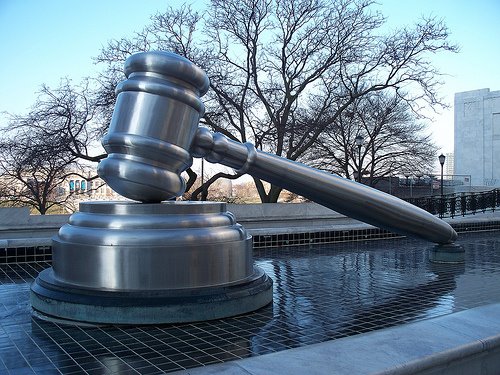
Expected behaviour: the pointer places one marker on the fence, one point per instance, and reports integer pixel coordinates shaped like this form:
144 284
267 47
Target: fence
463 204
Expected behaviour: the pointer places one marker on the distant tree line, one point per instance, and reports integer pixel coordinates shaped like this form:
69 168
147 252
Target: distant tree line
298 78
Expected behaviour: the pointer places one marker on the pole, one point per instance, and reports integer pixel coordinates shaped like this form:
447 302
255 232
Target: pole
202 171
442 180
442 159
203 193
359 163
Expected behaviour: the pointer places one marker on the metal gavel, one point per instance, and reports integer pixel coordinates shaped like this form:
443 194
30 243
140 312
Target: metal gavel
154 134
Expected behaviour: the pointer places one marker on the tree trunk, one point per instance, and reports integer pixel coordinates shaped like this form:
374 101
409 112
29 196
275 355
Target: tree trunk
267 197
274 193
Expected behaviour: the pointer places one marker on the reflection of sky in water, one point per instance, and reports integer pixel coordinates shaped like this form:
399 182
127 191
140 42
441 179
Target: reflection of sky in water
444 305
343 289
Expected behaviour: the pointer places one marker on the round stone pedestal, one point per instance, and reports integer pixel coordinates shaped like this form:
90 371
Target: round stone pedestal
136 263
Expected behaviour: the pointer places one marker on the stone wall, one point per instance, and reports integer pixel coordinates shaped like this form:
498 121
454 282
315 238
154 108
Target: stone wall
17 223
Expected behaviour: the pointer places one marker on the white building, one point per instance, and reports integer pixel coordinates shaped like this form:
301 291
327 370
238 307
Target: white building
449 164
477 136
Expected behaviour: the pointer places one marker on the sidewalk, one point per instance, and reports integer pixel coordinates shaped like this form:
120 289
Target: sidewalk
467 342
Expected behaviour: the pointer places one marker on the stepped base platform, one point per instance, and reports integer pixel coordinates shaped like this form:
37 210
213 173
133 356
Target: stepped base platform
136 263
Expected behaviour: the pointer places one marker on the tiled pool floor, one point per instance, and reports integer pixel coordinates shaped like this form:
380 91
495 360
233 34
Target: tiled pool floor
320 293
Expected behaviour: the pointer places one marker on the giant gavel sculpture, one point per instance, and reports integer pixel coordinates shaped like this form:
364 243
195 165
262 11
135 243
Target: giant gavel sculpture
155 132
153 262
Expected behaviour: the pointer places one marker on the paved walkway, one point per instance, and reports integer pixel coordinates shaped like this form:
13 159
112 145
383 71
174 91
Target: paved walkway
467 342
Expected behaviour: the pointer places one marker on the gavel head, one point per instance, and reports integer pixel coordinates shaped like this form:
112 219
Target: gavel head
156 116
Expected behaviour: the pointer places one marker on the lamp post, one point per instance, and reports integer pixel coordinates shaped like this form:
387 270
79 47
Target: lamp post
359 142
442 158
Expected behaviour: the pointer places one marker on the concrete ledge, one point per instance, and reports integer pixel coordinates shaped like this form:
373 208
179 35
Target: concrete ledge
274 218
16 223
25 242
479 217
258 219
282 211
291 228
466 342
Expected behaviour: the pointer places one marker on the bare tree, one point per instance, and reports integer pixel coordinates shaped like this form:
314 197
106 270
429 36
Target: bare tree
282 71
63 119
394 141
40 150
32 174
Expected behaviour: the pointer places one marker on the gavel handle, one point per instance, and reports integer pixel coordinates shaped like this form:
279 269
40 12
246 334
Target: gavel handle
339 194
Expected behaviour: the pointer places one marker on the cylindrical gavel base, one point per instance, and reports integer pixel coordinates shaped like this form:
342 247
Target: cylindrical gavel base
133 263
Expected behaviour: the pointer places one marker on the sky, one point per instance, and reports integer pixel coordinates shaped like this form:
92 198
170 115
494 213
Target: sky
474 26
43 41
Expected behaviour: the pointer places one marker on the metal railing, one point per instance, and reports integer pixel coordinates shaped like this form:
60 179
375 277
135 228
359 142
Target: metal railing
451 205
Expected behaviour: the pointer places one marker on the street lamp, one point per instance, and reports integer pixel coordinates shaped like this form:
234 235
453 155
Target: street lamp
359 142
442 158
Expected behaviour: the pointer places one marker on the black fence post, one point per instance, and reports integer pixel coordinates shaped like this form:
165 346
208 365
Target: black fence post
472 204
431 205
482 198
453 204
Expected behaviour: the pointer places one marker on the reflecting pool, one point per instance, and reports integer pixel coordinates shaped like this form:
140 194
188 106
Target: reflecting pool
321 292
